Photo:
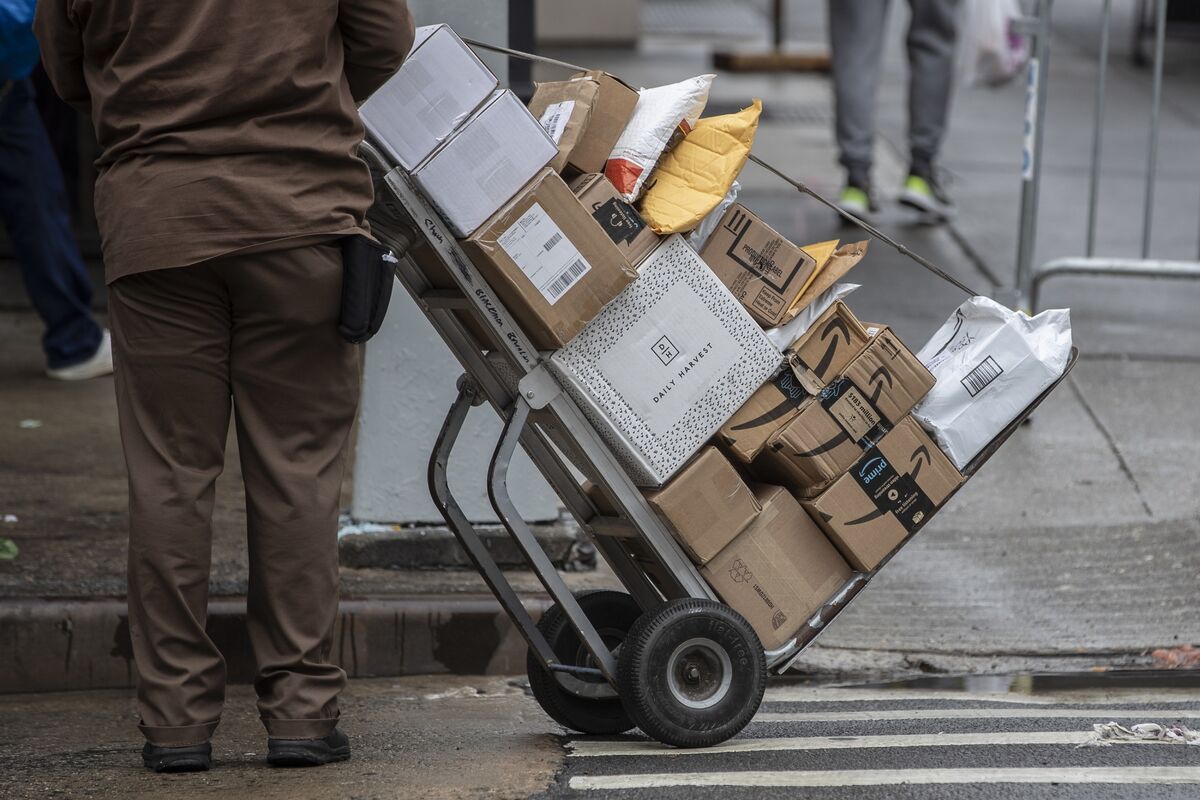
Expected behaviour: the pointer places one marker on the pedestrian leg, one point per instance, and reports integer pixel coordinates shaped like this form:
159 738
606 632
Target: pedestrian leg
171 351
932 35
33 205
295 389
856 36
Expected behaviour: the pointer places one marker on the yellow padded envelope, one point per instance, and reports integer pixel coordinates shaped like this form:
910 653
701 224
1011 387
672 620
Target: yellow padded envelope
694 177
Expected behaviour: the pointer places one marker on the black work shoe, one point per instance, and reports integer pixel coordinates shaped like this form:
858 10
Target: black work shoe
308 752
192 758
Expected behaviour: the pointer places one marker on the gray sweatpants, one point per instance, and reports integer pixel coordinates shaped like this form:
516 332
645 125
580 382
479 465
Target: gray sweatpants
856 33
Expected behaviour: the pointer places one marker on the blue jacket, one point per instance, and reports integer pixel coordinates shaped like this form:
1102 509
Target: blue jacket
18 47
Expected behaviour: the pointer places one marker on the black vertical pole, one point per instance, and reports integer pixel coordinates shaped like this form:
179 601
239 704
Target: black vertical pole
522 35
778 20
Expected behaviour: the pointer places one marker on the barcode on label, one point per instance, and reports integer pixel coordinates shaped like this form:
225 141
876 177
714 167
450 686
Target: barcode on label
567 278
979 378
553 240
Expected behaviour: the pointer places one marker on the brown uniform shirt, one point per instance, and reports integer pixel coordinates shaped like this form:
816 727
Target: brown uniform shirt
224 125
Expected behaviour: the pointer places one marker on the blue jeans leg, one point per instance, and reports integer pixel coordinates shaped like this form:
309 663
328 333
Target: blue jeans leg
33 206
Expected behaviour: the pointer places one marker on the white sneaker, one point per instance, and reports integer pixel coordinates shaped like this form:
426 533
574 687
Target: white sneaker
99 364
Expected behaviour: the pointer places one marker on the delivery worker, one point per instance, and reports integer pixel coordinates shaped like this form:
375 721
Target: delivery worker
856 33
33 207
227 173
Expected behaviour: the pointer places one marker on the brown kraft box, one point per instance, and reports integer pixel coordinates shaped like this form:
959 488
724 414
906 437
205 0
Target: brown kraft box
548 261
778 571
706 505
776 403
891 375
765 271
889 494
853 412
621 221
585 116
827 347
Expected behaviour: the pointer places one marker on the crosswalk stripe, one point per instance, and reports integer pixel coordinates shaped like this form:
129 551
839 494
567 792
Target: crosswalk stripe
888 777
978 713
810 694
648 748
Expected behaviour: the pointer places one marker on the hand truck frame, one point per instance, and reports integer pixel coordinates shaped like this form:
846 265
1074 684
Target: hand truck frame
596 661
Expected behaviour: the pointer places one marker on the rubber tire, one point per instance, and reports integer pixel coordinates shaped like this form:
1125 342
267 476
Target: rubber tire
644 667
610 612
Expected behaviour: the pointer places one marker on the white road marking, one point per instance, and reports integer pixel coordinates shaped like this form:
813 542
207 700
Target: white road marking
889 777
1143 714
584 747
810 694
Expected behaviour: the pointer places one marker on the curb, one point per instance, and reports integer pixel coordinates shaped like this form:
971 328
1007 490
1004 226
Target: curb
59 645
369 545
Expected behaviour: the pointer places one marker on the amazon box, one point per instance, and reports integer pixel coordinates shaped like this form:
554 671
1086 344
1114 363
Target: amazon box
877 390
825 350
487 161
890 375
584 116
765 271
621 221
549 262
706 505
665 364
773 406
436 89
889 494
779 571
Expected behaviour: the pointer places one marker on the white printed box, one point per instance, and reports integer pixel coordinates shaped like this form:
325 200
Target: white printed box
666 363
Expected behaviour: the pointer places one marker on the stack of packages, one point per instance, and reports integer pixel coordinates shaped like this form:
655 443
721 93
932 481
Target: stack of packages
771 429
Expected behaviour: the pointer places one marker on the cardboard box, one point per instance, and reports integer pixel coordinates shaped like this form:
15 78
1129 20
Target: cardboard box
890 376
825 350
549 262
774 405
665 364
437 88
877 390
621 221
584 116
779 571
890 493
706 505
485 163
764 270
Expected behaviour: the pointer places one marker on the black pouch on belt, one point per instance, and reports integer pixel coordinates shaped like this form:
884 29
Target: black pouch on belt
366 287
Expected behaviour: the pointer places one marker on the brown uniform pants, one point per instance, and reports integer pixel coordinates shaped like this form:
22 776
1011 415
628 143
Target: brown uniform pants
255 334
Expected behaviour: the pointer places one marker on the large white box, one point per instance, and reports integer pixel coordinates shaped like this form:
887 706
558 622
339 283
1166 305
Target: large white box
666 363
485 163
439 85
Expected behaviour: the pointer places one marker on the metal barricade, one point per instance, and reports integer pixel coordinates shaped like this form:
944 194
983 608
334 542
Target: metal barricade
1030 276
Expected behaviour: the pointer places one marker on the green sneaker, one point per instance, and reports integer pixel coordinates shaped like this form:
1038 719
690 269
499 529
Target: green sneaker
857 201
924 194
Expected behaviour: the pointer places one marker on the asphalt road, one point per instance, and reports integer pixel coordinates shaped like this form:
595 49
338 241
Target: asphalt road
901 744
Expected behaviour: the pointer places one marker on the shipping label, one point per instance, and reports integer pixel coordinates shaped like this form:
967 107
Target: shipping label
544 254
854 412
555 117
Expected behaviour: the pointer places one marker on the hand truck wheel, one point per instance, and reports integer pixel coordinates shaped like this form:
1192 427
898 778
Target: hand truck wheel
692 673
583 703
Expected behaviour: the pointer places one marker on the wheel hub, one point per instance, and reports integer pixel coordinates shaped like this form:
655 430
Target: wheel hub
699 673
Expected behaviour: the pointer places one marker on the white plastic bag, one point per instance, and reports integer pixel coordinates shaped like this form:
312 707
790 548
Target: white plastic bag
990 363
705 229
989 51
658 113
786 334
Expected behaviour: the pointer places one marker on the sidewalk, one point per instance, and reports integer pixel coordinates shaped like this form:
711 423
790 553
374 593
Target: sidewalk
1074 548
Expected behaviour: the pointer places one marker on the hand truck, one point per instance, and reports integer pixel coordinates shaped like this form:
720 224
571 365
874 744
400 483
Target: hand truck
666 656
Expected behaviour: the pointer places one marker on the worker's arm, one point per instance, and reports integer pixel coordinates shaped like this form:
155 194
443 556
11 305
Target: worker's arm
377 35
61 40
